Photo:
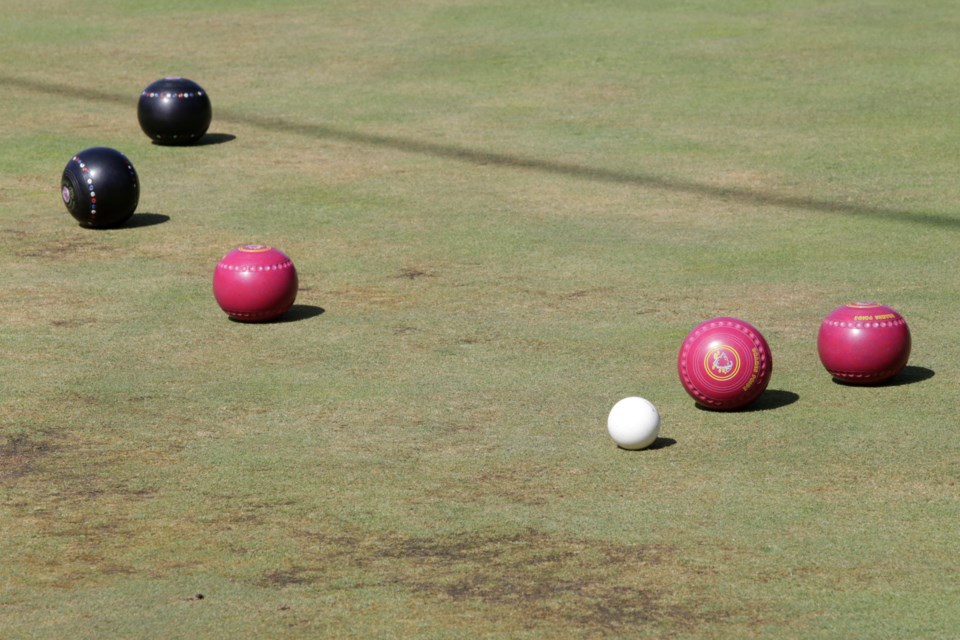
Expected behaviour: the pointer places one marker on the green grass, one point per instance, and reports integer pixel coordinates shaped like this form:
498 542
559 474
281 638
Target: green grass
509 214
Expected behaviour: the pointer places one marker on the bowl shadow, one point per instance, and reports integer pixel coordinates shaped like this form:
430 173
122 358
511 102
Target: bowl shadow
300 312
139 220
206 140
296 313
909 375
768 400
209 139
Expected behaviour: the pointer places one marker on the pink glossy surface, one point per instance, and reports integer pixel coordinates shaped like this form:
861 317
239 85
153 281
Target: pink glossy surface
255 283
725 363
864 343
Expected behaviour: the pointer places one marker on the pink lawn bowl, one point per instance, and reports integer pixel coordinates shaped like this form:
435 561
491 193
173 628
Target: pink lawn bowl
864 343
724 364
255 283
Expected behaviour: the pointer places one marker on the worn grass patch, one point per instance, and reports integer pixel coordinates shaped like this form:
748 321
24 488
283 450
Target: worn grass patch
532 578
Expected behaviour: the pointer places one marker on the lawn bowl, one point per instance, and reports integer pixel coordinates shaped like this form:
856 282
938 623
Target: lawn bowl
724 364
255 283
174 111
100 188
864 343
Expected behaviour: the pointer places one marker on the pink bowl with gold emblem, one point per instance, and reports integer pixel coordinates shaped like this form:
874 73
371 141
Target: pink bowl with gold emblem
724 363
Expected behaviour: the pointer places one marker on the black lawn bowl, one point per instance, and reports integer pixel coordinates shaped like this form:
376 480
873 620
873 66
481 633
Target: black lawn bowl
100 188
174 111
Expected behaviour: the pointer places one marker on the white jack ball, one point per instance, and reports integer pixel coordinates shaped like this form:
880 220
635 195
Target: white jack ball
633 423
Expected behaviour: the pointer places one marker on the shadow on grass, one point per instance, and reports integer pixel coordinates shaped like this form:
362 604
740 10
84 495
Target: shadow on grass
145 220
909 375
480 157
296 313
596 174
768 400
216 138
206 140
659 443
135 221
662 443
301 312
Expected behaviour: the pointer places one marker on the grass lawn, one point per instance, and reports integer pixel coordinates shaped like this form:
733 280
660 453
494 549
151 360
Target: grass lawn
505 217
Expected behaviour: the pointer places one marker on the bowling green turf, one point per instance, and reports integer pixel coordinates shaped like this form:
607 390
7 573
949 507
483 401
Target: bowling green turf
505 217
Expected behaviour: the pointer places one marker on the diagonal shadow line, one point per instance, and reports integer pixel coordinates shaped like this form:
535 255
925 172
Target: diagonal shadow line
479 157
56 89
650 181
